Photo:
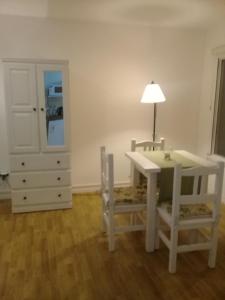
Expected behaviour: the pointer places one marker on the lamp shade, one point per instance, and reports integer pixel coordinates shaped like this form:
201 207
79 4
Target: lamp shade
152 94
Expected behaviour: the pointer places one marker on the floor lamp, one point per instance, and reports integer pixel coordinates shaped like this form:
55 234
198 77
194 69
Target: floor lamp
153 94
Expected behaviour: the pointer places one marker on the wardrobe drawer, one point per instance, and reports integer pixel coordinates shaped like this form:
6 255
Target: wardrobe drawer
39 162
41 197
39 179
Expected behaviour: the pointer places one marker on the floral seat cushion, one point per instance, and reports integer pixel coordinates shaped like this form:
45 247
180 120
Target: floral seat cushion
189 211
130 195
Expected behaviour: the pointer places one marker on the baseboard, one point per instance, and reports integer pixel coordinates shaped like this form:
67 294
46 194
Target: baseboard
88 188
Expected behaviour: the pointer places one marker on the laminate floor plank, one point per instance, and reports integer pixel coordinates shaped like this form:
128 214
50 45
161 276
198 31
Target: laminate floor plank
63 255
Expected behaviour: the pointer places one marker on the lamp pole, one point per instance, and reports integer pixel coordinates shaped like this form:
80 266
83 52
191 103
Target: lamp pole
153 94
154 123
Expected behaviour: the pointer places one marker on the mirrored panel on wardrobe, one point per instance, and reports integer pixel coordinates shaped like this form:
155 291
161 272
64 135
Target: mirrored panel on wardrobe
54 108
52 95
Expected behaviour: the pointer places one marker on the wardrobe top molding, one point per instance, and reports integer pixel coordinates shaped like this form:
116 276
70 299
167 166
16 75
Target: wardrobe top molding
36 61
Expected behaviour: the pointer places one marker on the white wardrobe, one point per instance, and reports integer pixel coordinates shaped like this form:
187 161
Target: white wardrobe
38 132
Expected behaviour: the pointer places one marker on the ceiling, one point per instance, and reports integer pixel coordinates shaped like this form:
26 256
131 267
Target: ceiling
169 13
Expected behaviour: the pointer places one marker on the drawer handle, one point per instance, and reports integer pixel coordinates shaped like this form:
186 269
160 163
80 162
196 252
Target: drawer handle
24 180
23 163
42 109
58 162
34 109
59 195
58 178
24 198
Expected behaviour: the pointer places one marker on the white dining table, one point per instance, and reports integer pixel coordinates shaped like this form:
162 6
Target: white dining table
150 170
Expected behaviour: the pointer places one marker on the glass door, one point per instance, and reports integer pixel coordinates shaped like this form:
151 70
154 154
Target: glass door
53 97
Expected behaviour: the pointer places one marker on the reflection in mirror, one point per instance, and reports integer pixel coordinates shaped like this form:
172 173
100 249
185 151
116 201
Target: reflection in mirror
54 107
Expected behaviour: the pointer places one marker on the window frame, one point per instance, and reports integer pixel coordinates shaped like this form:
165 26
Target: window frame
219 57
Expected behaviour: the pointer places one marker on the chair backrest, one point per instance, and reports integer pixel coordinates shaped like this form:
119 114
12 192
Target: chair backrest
147 145
200 192
107 173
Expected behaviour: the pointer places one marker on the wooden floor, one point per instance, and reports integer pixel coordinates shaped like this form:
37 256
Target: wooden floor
62 255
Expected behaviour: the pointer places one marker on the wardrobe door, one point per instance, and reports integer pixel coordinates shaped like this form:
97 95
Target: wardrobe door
21 95
53 106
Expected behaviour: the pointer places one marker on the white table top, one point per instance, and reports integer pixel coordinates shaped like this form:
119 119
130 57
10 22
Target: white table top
147 165
143 162
197 159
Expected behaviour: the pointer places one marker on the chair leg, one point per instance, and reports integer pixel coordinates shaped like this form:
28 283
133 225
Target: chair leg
103 217
111 234
103 222
213 250
173 251
157 240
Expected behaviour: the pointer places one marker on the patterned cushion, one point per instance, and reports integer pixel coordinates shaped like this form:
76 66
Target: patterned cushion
130 195
189 211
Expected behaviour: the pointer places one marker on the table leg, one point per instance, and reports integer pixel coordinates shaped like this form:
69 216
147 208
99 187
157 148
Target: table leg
151 212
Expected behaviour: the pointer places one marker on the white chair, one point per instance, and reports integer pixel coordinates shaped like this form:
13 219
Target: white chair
191 212
145 145
117 201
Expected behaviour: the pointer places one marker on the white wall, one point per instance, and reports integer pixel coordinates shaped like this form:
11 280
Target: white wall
109 67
